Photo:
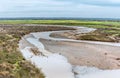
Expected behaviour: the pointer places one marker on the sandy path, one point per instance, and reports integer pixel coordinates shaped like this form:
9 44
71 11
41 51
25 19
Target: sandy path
98 55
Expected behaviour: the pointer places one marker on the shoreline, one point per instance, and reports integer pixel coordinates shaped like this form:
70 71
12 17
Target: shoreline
84 54
42 35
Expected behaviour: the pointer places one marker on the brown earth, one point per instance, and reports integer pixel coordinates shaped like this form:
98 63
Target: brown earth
92 36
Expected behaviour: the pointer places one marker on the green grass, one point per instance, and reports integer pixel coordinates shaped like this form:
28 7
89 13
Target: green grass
67 22
62 22
12 64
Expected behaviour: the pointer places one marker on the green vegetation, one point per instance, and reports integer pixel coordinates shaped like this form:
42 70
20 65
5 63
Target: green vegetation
12 64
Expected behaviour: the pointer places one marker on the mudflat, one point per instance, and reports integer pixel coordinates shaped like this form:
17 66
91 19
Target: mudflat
86 54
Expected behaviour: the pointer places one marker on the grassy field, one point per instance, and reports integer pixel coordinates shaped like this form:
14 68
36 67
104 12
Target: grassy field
111 27
13 65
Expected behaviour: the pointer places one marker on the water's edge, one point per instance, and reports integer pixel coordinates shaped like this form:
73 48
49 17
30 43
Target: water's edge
55 65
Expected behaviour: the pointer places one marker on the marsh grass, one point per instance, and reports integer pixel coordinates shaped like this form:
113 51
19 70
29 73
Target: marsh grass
12 64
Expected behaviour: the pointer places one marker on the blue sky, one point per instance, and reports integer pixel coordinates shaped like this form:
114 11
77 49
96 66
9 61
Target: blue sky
60 8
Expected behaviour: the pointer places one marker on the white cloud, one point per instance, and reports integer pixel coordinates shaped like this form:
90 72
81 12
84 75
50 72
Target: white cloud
58 8
114 1
9 5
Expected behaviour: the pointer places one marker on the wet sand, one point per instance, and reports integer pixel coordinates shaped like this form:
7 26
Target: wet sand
78 54
86 54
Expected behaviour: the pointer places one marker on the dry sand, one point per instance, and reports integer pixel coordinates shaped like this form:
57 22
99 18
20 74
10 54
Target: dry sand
86 54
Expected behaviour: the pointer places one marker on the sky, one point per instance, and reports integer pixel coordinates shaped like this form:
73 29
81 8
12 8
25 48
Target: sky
60 8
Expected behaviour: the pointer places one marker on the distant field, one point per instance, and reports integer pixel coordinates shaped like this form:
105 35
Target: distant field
60 22
110 27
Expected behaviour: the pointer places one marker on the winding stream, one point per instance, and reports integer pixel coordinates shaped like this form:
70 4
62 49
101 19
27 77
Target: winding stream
54 65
